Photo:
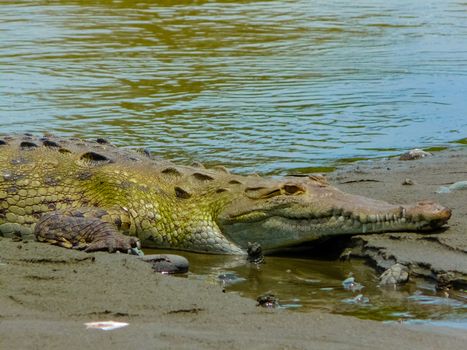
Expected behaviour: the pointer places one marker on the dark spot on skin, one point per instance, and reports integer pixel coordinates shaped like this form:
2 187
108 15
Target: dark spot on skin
220 190
95 157
51 206
118 222
126 184
64 150
67 200
2 143
85 175
27 145
181 193
202 177
3 212
51 144
11 190
19 161
235 182
171 171
102 141
50 181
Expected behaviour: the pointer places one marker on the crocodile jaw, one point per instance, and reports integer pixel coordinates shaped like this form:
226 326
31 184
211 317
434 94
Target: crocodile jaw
323 211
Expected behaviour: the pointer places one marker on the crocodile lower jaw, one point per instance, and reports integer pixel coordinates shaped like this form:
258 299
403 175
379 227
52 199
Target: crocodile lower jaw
341 224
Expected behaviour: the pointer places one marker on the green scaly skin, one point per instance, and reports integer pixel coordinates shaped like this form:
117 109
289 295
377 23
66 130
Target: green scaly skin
182 207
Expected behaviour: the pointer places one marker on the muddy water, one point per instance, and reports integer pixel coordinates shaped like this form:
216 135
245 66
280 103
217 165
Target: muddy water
307 284
266 86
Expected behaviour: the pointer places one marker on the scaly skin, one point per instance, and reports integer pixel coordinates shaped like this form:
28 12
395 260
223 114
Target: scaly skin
183 207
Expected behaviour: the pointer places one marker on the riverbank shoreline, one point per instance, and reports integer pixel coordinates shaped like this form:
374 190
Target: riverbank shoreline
47 293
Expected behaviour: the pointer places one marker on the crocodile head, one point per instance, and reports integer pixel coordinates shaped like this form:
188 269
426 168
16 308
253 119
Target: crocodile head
278 214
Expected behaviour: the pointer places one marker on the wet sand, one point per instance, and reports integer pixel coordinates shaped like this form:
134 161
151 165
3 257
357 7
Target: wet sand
48 293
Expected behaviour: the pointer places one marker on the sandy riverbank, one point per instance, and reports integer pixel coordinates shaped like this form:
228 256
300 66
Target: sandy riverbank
47 293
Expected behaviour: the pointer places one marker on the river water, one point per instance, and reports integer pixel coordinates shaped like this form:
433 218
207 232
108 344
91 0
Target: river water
272 87
264 86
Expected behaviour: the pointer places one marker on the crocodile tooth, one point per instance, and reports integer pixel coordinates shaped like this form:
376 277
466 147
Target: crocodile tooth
364 228
363 218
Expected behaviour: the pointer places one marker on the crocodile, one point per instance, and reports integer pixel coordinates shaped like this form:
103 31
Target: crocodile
92 195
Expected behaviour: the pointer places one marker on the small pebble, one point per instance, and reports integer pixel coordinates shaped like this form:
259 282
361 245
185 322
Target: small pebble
267 300
396 274
460 185
167 263
407 182
350 284
229 278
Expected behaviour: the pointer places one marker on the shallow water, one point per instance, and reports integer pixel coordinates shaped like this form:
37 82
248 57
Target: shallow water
308 284
266 86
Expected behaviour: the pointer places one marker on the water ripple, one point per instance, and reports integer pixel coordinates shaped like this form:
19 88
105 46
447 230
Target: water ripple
264 86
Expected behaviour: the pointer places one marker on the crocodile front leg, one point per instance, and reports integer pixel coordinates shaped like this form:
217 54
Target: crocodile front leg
83 229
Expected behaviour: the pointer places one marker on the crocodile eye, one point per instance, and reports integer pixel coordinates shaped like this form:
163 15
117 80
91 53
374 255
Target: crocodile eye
293 189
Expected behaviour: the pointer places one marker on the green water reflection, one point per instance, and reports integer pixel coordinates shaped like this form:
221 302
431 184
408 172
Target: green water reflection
265 86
